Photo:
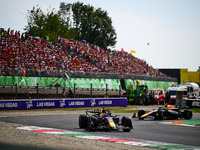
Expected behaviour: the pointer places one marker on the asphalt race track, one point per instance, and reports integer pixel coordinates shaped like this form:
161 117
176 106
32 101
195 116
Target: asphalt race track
143 129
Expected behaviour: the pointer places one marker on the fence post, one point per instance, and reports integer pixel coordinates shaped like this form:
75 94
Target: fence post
57 89
120 90
74 90
37 91
106 90
16 90
91 90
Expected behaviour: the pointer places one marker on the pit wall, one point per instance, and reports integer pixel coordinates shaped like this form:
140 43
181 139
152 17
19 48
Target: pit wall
80 82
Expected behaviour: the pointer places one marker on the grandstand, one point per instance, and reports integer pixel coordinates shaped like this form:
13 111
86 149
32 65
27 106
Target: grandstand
22 53
28 56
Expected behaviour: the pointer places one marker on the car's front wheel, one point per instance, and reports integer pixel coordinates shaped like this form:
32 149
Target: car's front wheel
83 121
140 113
127 124
159 115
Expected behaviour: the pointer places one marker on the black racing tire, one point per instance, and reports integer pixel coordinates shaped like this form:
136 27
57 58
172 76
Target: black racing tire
83 121
126 129
159 115
95 122
140 113
127 124
90 124
187 114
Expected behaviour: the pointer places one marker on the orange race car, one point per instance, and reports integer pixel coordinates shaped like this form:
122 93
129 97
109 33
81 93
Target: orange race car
167 112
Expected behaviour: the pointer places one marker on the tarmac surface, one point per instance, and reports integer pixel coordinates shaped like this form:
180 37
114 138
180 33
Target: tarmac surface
143 129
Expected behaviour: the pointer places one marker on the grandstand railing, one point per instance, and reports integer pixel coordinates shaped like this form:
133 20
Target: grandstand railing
73 74
151 78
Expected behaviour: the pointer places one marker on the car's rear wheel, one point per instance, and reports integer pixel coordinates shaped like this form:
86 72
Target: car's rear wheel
127 124
159 115
187 114
83 121
140 113
126 129
90 124
95 122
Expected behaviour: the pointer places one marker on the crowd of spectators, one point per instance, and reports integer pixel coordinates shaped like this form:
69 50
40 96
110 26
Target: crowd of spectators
21 52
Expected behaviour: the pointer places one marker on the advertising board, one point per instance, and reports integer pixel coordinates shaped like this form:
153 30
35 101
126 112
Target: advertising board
27 104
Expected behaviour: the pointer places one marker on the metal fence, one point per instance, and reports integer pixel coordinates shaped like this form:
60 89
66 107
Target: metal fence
72 74
151 78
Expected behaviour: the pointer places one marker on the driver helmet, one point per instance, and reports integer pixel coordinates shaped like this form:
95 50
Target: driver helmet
169 107
102 112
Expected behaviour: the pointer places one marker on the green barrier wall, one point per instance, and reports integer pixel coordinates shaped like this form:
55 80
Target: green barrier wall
152 85
46 82
80 82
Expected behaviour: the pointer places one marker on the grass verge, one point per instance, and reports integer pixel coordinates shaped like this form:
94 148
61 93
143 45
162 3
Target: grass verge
128 109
